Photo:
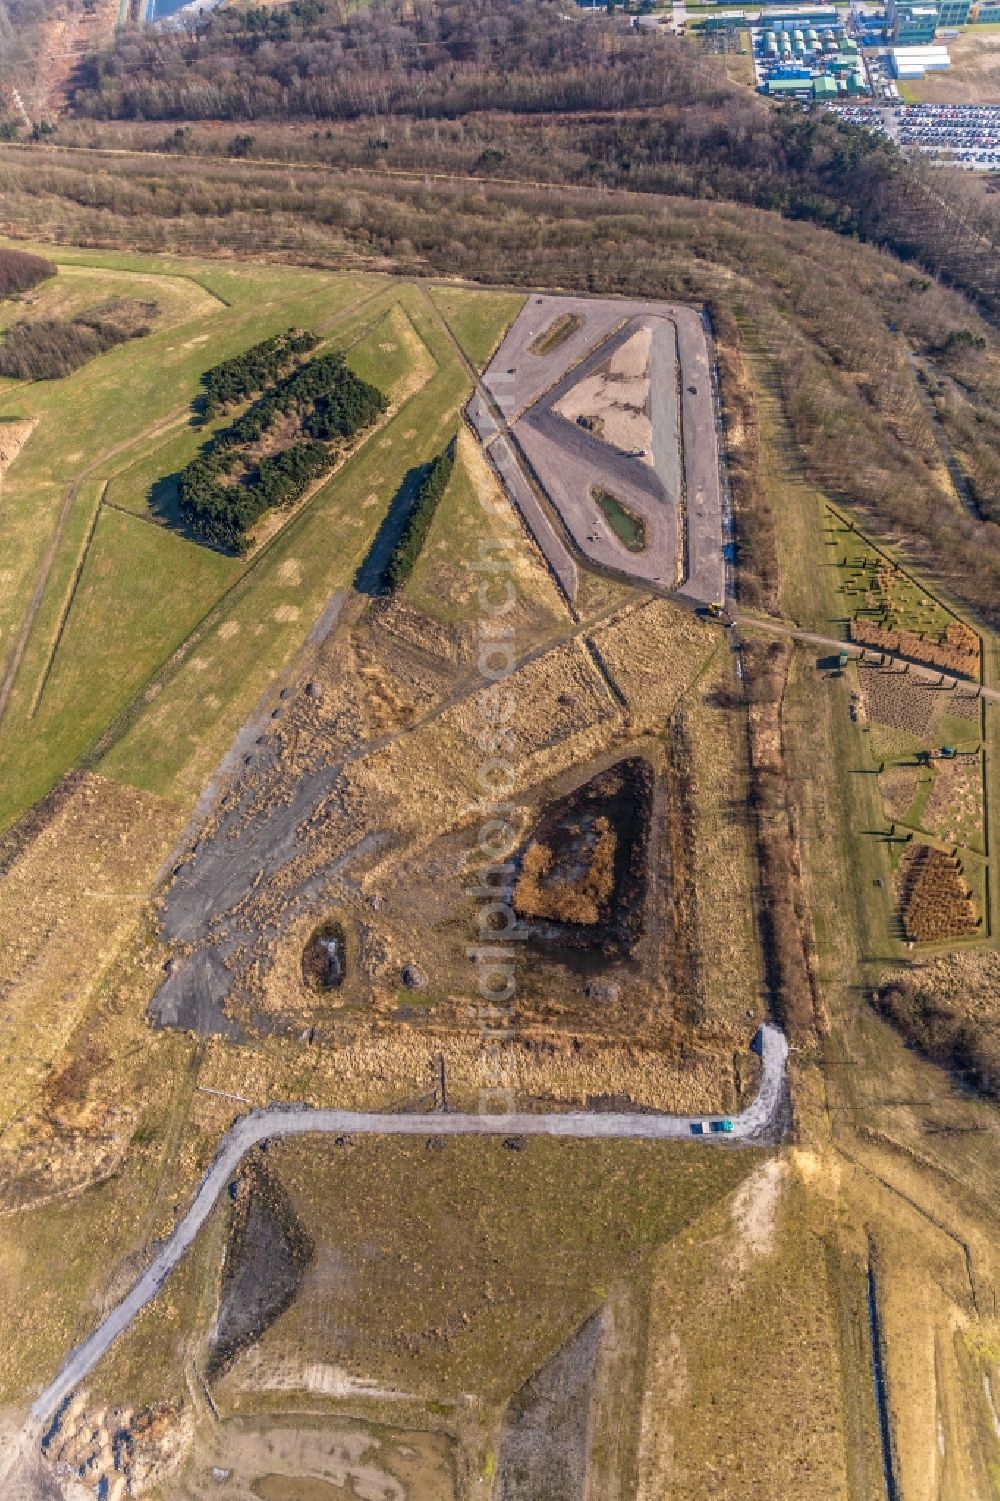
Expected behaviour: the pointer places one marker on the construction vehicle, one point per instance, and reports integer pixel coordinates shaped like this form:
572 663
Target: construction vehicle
716 610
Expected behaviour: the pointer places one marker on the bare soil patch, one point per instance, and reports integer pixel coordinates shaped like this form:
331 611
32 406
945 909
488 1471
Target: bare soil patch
543 1449
954 809
894 698
898 785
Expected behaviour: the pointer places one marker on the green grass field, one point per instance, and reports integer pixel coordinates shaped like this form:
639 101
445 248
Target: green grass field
478 320
96 605
173 745
141 591
508 1252
443 583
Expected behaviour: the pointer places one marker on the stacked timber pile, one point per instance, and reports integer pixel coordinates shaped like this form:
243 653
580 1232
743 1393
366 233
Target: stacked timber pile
957 653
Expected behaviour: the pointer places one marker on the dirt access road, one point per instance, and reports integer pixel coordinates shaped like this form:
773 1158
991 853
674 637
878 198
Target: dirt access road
871 654
762 1121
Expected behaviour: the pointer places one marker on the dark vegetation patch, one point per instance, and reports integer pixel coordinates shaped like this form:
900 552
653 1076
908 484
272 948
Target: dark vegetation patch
271 453
324 958
582 873
266 1256
685 979
545 1439
49 348
418 523
558 331
968 1045
19 271
247 374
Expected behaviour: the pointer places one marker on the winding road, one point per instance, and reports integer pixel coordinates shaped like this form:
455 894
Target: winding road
763 1120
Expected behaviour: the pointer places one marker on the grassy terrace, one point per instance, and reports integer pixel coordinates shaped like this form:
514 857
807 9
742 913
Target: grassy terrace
103 601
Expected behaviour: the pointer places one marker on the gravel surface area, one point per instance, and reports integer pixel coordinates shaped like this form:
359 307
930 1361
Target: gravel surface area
679 498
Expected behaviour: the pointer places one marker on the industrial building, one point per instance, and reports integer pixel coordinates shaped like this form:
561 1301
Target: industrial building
914 62
910 25
787 20
733 21
807 55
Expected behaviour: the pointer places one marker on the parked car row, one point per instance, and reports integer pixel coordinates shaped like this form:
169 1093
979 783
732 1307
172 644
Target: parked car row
966 134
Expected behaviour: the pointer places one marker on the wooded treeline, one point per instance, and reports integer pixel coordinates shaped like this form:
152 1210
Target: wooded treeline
237 476
19 271
49 348
308 60
501 64
825 306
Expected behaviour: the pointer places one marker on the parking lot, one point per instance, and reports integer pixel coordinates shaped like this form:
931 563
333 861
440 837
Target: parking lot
967 135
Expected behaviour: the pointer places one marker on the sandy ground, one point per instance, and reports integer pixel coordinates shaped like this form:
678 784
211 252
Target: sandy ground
364 1461
974 75
13 436
614 401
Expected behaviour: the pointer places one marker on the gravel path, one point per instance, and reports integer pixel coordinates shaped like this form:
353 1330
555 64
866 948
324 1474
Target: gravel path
763 1120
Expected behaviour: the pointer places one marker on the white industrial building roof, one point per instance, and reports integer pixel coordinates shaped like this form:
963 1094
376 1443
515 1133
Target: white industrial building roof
914 62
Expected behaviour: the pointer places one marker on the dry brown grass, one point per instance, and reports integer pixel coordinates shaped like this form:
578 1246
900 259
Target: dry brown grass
723 857
974 75
386 1064
957 653
574 901
68 905
654 653
562 713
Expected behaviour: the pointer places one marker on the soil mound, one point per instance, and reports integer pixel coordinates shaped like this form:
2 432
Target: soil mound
266 1256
